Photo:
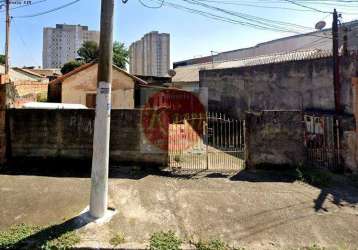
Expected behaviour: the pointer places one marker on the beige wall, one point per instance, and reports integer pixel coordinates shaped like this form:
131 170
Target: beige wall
75 88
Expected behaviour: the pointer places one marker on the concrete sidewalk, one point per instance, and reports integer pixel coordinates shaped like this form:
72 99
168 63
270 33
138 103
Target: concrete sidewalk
245 211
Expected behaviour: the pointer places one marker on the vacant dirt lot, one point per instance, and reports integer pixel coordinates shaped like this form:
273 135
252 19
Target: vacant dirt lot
249 209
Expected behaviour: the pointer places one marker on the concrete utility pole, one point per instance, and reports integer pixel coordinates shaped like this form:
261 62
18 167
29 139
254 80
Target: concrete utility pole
336 73
7 41
100 160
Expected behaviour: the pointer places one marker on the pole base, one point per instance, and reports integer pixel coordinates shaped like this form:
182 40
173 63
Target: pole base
86 216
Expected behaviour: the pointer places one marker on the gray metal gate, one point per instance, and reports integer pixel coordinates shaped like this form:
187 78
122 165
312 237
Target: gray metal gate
322 140
218 146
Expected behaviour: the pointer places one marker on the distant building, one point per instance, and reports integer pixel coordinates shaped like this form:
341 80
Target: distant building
60 44
150 56
321 40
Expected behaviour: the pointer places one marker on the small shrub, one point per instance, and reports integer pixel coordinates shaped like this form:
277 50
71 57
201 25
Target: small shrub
214 245
314 176
165 241
211 245
15 234
117 239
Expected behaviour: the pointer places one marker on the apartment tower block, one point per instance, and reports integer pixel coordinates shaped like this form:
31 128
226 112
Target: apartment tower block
60 44
150 56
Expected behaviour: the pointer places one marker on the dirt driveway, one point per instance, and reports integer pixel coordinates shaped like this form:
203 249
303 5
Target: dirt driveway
244 210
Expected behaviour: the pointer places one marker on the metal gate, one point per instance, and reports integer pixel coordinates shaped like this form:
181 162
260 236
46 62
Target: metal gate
212 141
322 140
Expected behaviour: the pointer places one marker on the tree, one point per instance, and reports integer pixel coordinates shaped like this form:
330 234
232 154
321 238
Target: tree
2 59
68 67
120 55
89 51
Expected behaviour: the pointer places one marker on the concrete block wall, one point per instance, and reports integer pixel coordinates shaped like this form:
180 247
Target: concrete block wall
294 85
275 138
68 134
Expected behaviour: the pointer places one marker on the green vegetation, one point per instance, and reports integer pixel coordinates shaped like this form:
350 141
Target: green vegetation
117 239
35 237
2 59
68 67
15 234
165 241
65 241
211 245
120 55
314 176
89 51
214 245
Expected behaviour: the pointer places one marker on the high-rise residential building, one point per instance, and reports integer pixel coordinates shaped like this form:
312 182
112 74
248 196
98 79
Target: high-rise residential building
150 56
60 44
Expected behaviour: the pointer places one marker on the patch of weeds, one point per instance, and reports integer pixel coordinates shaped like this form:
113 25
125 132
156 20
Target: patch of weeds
314 176
314 247
24 236
15 234
165 241
117 239
211 245
214 245
65 241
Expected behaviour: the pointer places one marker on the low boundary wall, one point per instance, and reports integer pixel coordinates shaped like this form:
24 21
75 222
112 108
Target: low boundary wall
68 134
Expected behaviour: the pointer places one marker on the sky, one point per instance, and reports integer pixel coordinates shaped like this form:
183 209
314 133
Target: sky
192 35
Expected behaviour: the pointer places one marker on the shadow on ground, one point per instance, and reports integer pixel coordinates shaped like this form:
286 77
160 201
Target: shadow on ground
340 188
42 238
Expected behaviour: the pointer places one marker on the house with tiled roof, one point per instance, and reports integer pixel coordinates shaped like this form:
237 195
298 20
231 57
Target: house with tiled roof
79 87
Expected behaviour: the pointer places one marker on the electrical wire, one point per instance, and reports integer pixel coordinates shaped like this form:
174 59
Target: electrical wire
307 7
151 7
234 21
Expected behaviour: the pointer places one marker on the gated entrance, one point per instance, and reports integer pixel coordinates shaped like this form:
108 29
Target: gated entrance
219 145
322 140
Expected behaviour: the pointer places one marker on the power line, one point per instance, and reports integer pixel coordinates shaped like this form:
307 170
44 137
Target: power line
264 5
151 7
307 7
263 21
217 17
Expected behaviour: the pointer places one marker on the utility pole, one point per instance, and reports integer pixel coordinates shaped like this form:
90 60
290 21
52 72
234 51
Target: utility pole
100 160
336 73
7 41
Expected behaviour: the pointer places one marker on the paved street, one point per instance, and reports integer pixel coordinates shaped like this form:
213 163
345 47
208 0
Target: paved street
244 210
